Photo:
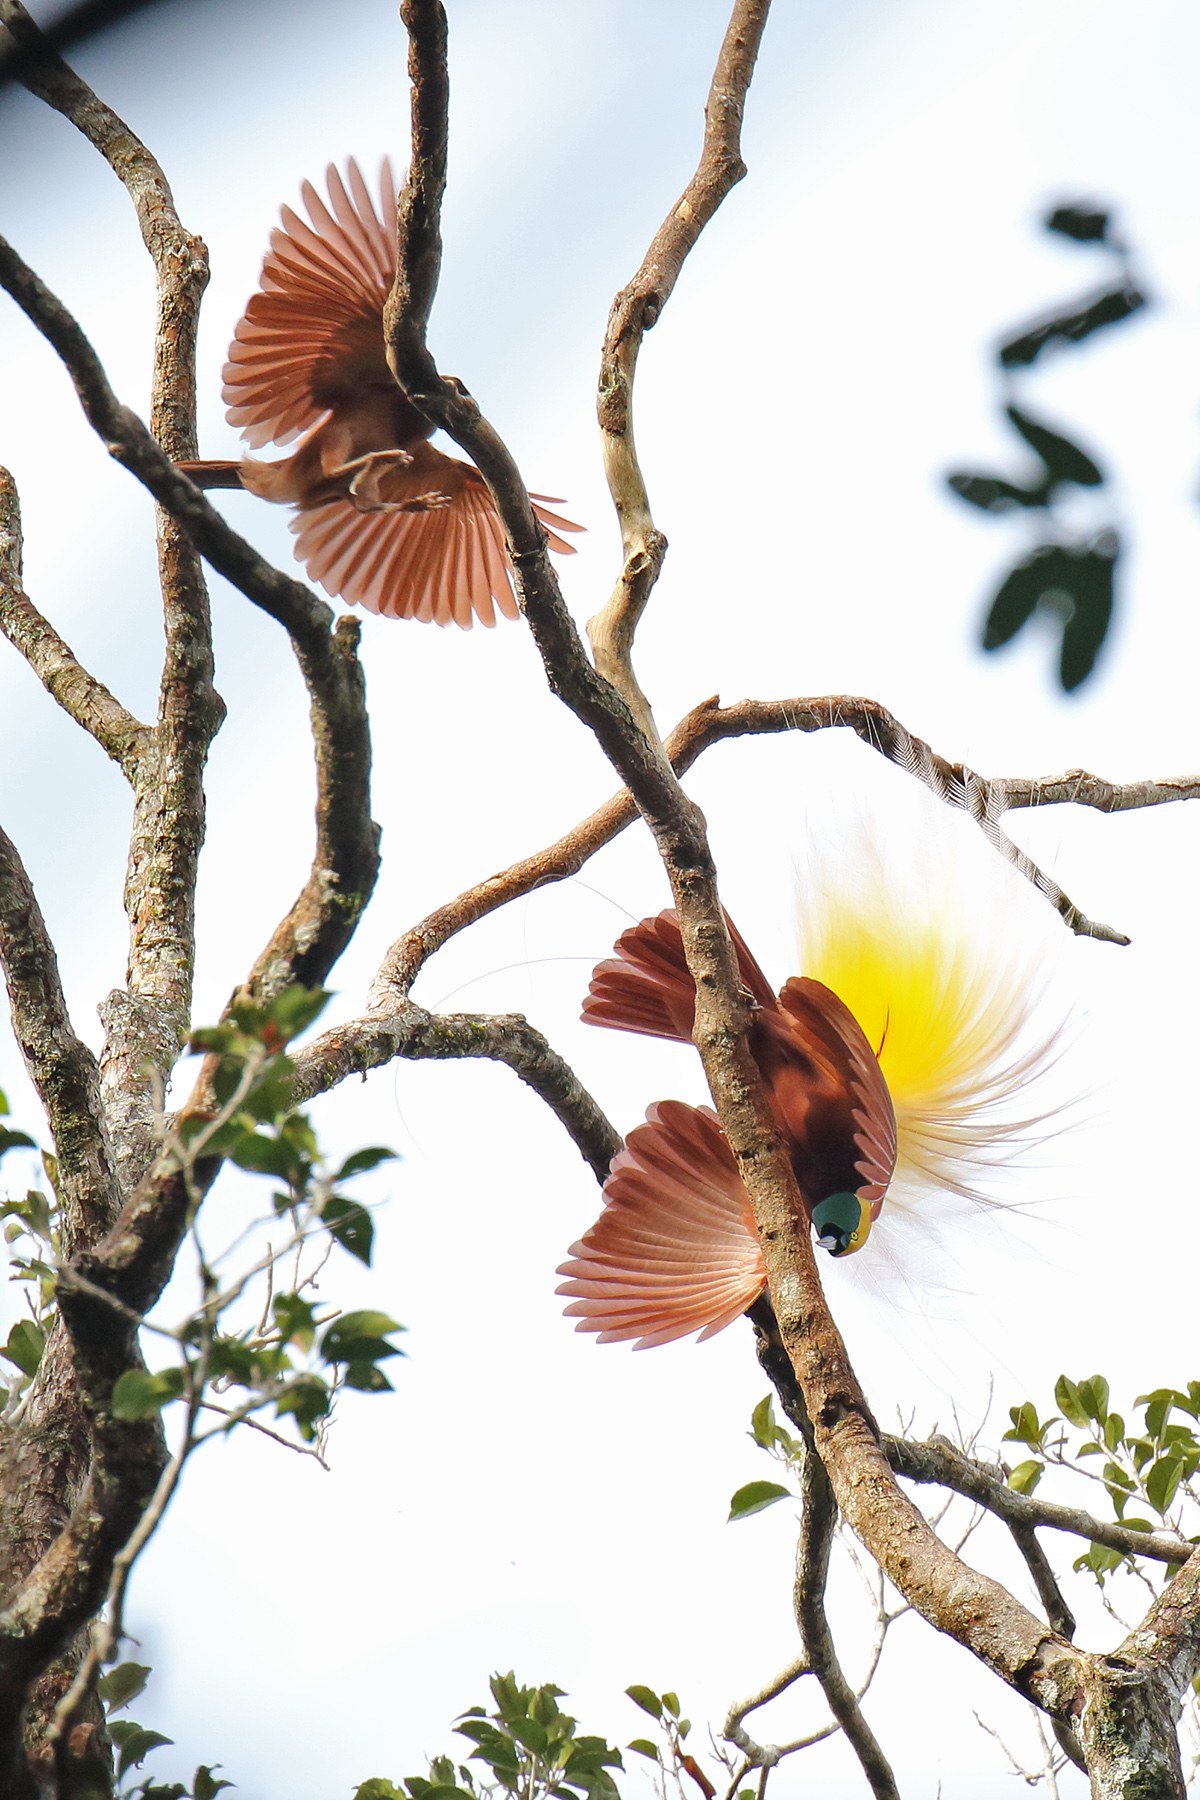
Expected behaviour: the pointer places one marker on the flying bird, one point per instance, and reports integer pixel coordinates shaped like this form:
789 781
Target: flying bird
382 518
888 1069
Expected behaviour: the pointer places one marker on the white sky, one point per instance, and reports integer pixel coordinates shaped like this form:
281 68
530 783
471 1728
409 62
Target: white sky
527 1499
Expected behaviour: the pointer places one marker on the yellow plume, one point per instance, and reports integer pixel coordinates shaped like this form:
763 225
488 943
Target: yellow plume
943 963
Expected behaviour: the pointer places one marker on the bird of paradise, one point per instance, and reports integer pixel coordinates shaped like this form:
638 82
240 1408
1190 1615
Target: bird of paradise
382 518
891 1067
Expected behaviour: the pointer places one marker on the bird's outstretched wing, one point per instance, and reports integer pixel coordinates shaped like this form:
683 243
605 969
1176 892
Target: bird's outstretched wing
646 986
831 1036
674 1250
426 543
313 334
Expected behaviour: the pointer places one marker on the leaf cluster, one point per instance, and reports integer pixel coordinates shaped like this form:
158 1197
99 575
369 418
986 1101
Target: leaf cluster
530 1746
133 1742
1147 1463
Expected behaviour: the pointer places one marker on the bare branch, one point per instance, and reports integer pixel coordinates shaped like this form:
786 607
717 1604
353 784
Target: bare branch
81 696
634 311
504 1037
324 917
710 723
938 1461
817 1521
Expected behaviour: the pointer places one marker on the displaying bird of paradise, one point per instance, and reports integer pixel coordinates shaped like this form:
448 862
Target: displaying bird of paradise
892 1066
382 519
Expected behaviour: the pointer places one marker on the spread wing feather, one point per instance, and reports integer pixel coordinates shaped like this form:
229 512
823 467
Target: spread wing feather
646 986
674 1250
313 332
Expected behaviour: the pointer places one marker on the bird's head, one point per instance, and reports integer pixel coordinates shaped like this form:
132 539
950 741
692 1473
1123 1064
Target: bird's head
842 1223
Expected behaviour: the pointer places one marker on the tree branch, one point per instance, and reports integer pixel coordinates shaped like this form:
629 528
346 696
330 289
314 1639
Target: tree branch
418 1035
60 1065
818 1518
939 1461
634 311
81 696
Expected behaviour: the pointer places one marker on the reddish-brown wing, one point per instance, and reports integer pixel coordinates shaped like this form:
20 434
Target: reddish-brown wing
674 1250
443 561
844 1085
646 986
313 334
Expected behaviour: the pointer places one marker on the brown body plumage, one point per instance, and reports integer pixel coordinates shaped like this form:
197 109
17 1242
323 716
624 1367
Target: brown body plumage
674 1250
383 519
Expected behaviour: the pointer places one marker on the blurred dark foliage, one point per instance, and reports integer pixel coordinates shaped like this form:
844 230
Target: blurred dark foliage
1067 577
71 26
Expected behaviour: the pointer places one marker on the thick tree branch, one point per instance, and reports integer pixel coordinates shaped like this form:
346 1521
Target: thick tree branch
634 311
81 696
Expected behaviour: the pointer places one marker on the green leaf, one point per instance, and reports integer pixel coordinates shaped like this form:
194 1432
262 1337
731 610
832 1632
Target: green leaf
138 1393
362 1160
271 1096
755 1497
1100 1560
295 1009
135 1743
1081 220
205 1785
349 1224
306 1399
259 1154
647 1699
359 1336
644 1747
1092 588
218 1040
296 1319
1162 1481
123 1684
670 1703
14 1140
1069 1403
1093 1396
379 1789
1025 1477
366 1378
26 1341
1065 460
762 1424
1025 1428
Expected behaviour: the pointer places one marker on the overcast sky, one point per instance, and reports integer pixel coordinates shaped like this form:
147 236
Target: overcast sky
527 1498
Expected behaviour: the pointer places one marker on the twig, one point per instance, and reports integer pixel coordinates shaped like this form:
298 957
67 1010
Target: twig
81 696
634 311
817 1521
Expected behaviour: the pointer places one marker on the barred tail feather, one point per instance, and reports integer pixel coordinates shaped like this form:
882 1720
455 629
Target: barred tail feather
675 1250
